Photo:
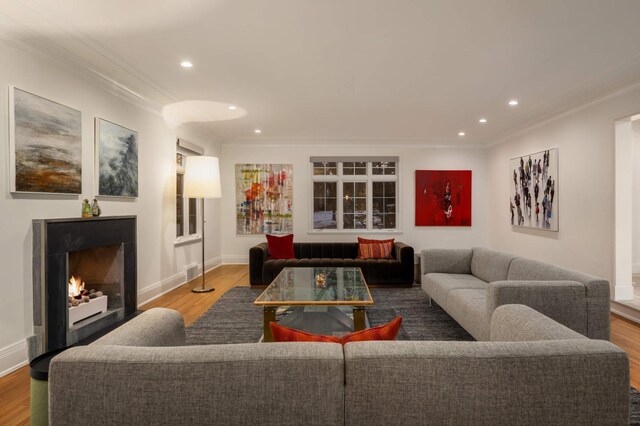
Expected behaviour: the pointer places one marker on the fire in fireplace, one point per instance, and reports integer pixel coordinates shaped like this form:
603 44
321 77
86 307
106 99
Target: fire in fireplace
84 303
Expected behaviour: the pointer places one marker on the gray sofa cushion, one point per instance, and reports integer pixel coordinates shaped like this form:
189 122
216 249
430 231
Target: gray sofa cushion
490 265
438 286
469 308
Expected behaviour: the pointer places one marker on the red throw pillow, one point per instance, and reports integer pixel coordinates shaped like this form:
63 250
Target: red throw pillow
367 241
374 249
382 332
285 334
280 247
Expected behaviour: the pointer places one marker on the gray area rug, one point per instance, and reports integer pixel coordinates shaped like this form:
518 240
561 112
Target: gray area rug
235 319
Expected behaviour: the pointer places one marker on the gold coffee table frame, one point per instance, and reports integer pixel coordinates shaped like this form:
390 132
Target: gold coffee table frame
339 286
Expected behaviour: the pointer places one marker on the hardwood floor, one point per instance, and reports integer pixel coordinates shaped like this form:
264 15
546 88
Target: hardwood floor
14 388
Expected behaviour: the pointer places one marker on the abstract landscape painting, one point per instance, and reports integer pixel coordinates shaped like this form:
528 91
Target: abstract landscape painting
534 190
264 198
443 197
45 145
117 149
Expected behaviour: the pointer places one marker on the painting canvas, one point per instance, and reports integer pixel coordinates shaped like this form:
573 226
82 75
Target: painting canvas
264 198
45 145
443 197
117 162
534 190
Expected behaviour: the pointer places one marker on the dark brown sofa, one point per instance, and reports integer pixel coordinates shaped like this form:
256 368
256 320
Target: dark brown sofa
396 271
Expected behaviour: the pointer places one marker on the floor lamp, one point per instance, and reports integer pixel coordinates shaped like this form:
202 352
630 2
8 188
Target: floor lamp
202 180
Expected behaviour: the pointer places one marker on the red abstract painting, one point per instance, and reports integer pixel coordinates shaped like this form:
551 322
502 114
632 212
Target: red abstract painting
443 197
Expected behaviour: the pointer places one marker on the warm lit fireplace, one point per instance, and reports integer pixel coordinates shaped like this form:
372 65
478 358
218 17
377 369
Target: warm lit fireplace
84 303
84 278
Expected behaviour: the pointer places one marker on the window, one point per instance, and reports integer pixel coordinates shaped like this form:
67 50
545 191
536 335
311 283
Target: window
354 193
187 210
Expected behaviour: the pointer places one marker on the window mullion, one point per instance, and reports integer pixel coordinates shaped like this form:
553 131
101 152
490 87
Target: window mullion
340 199
369 201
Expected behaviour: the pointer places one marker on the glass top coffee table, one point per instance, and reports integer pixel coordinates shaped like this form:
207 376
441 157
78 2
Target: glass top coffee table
318 299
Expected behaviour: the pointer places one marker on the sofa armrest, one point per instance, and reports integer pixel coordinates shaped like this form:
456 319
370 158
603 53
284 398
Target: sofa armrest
257 256
562 301
255 383
404 254
446 261
520 323
155 327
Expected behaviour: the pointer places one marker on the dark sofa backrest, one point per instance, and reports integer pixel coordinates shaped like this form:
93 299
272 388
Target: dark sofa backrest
326 250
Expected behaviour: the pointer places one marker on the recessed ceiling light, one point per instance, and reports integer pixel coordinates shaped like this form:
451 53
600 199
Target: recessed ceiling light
461 133
482 120
232 107
186 64
257 131
513 102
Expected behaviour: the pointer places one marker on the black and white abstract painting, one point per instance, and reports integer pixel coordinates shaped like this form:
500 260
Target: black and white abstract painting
45 145
534 190
117 159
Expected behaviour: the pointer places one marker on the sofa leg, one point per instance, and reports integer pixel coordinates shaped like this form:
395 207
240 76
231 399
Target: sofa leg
429 300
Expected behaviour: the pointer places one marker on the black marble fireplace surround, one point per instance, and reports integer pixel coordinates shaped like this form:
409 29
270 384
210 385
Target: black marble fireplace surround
98 247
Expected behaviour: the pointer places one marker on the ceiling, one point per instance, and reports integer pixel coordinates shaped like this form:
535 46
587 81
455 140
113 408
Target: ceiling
402 71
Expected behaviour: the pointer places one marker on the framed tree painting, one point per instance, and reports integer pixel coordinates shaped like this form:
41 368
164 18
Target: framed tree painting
533 179
264 198
116 159
443 197
45 140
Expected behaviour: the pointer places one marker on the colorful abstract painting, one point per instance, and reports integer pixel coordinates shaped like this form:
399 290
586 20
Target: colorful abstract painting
45 145
443 197
117 160
533 179
264 198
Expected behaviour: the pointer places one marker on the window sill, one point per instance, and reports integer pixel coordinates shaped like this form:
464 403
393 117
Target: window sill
353 232
181 241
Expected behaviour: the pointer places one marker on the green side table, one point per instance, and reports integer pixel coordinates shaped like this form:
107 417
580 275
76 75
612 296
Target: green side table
39 386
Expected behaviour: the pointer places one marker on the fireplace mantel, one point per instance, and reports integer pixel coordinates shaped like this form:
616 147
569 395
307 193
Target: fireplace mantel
53 241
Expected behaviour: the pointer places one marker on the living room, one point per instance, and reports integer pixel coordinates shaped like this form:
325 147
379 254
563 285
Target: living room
434 85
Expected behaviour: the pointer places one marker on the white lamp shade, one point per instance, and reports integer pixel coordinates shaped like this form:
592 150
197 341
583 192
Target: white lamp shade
202 177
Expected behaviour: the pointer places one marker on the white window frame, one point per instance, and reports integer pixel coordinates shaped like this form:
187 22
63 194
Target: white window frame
186 150
340 178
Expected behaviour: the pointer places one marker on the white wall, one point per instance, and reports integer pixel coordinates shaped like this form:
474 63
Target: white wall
236 247
585 138
160 264
635 128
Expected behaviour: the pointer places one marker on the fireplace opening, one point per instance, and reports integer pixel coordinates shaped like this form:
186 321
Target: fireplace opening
95 283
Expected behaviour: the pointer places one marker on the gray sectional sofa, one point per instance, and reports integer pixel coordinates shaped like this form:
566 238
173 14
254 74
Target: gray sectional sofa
471 283
532 371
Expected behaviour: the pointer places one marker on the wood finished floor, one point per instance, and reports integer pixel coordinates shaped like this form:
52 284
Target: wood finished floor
14 388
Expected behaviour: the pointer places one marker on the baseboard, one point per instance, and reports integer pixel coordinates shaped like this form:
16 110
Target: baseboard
13 357
235 259
168 284
625 312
